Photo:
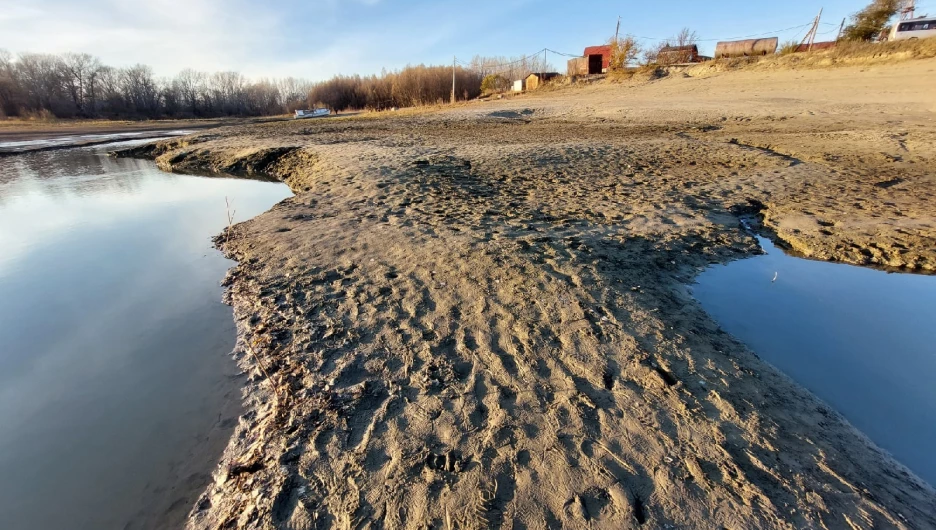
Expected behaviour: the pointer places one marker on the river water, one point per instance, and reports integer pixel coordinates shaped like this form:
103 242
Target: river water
117 391
863 340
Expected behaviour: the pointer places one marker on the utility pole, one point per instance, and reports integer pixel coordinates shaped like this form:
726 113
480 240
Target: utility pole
810 37
909 9
841 28
617 30
815 29
545 51
454 60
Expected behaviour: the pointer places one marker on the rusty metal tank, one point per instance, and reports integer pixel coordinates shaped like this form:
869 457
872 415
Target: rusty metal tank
746 48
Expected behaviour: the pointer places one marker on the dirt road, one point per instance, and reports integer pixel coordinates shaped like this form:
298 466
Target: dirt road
479 317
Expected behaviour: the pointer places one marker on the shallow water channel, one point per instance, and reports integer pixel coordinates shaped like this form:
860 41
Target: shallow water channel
117 391
862 340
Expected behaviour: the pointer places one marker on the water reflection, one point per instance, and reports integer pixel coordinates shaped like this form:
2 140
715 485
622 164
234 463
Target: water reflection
862 340
116 392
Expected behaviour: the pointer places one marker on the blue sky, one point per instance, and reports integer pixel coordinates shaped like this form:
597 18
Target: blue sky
316 39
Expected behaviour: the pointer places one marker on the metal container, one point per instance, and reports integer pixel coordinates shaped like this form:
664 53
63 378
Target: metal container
746 48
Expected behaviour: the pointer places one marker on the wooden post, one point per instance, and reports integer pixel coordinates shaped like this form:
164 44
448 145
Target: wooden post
909 9
811 34
815 29
841 28
454 61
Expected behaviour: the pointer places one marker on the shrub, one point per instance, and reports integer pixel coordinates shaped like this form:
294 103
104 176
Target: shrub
870 21
624 51
494 83
788 47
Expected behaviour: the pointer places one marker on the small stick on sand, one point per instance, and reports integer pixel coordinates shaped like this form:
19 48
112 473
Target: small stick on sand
230 216
266 374
614 456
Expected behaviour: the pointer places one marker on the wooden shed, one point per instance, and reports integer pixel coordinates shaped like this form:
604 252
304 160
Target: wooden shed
678 54
599 59
534 81
577 66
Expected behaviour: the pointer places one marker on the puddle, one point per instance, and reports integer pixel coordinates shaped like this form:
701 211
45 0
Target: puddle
117 390
862 340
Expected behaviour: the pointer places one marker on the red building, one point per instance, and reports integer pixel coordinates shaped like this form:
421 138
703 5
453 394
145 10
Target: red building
599 59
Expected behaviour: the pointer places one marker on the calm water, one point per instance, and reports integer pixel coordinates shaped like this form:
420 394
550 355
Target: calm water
861 339
117 392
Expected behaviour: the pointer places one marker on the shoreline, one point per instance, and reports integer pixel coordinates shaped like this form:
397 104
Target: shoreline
474 321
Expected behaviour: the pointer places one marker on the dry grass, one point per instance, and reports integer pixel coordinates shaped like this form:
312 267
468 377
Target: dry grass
641 73
844 54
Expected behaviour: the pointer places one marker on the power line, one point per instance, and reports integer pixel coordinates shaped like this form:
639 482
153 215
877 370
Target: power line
518 61
565 54
731 38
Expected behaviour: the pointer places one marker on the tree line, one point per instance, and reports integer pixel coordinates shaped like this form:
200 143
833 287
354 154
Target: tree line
410 87
78 85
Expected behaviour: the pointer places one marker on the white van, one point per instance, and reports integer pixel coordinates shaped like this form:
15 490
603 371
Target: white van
919 28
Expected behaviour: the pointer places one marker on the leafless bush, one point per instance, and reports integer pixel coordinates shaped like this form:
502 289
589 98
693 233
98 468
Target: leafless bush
656 54
510 68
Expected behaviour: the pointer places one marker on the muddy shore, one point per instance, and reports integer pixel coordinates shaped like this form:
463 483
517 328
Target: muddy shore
479 317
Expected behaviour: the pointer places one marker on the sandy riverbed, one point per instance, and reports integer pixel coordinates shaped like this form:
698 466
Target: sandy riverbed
478 317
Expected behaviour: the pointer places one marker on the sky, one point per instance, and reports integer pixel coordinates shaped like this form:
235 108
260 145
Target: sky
316 39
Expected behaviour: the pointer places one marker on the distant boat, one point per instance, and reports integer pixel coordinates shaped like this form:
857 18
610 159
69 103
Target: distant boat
314 113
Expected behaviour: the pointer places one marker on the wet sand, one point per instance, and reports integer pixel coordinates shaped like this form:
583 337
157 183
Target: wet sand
479 317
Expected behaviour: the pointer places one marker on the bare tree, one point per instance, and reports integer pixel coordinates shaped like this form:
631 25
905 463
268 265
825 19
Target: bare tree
682 41
8 88
227 92
686 37
78 75
40 76
140 90
510 68
191 86
293 93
